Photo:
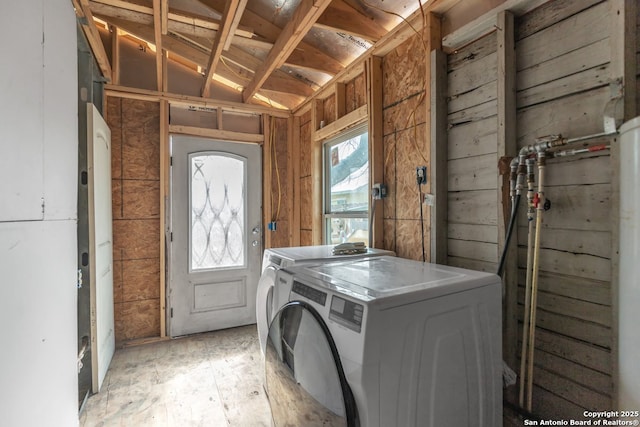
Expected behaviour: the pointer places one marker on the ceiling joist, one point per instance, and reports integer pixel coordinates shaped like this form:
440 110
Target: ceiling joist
304 56
93 36
341 17
157 38
305 15
222 36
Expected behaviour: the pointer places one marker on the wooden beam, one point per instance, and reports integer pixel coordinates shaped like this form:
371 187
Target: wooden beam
191 101
267 158
235 23
506 147
223 135
90 30
115 54
376 143
304 56
157 37
340 16
220 41
295 168
183 22
238 68
305 15
341 100
164 17
438 157
164 197
316 174
345 122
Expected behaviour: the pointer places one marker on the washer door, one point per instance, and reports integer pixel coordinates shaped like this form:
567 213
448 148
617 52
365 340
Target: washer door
264 301
304 377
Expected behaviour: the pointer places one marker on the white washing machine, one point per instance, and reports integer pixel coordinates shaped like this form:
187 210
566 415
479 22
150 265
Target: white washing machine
385 342
277 258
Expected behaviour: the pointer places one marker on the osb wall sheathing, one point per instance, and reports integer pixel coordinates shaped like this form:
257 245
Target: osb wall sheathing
355 93
281 187
405 148
306 201
329 109
135 173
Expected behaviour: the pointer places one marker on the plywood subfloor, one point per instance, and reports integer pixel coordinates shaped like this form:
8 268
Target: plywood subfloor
212 379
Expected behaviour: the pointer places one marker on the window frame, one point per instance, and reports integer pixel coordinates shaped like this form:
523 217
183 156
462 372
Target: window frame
327 214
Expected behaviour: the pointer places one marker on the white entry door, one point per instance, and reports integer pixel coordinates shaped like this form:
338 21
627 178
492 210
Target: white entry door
216 239
103 343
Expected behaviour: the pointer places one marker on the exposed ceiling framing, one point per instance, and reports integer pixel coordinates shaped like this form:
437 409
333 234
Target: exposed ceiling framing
278 51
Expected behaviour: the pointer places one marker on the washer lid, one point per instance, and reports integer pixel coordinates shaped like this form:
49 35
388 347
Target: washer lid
383 277
319 253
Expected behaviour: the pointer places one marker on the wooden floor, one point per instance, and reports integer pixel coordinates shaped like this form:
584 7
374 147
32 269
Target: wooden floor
211 379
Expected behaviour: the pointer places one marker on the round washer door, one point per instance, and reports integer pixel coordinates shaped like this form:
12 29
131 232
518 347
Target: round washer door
304 378
264 301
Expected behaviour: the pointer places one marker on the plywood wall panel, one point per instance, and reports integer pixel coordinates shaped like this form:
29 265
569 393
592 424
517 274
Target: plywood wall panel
306 217
410 153
141 139
408 240
281 190
140 199
389 176
136 239
403 71
117 281
306 238
389 234
116 199
329 109
355 93
114 120
139 319
305 149
404 115
141 277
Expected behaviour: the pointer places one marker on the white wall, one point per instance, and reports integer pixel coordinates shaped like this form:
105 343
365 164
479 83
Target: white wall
38 373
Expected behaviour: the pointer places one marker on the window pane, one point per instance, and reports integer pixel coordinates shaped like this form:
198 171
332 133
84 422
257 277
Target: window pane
348 175
342 230
217 212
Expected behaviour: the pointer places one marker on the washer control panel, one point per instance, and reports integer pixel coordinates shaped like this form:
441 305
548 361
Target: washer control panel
347 313
309 293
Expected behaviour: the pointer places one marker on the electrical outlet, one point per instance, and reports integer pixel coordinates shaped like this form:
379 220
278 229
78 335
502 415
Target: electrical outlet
379 191
421 175
429 199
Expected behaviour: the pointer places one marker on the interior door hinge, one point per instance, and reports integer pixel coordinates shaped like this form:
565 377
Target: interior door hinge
171 236
171 161
171 312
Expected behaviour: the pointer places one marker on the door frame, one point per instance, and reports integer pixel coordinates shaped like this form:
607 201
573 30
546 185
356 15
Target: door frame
169 213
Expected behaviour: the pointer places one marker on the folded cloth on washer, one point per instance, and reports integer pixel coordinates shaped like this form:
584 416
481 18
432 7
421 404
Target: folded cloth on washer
350 248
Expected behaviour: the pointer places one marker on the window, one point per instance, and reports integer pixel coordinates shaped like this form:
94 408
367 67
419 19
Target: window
346 184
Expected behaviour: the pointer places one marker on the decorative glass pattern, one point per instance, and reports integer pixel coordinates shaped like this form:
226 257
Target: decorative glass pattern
217 211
